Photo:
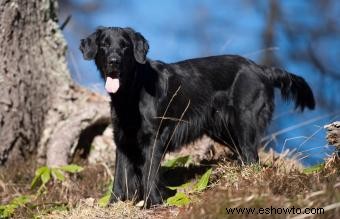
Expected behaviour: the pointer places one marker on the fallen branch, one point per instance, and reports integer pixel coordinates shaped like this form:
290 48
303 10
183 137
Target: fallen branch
333 134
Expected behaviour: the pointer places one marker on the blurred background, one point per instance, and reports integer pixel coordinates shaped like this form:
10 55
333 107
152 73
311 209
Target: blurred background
302 37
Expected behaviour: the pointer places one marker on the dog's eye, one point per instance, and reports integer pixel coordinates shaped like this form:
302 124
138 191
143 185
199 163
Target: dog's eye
123 44
106 43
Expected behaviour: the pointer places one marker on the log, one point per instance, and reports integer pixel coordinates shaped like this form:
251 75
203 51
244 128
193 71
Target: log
333 134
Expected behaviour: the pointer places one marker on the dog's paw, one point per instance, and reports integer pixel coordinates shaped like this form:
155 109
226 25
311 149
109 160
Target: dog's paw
153 199
116 196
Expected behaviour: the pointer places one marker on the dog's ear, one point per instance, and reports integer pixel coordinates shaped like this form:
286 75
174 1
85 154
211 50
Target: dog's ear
89 46
140 45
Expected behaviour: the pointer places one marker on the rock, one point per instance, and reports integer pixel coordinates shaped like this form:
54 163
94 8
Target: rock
103 148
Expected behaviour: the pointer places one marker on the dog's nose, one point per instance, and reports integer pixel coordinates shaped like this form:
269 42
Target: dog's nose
113 61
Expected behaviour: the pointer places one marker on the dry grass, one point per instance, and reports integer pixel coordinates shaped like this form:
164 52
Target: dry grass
89 209
270 185
277 181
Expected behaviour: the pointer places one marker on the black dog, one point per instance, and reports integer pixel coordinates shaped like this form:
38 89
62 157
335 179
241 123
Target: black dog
158 107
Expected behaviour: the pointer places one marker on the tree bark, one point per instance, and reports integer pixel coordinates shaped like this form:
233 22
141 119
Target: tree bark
41 110
273 15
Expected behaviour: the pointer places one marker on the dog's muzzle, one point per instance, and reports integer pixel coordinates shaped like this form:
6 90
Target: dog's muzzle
112 76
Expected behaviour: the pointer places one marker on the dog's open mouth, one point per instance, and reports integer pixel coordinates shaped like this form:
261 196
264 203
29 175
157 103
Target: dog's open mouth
112 85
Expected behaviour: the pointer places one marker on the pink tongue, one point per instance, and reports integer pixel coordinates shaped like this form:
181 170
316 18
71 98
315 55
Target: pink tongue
111 85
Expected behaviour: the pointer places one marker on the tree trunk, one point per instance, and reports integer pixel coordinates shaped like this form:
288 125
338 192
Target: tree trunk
273 15
333 134
41 110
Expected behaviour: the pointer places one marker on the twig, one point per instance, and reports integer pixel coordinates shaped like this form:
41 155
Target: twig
107 170
310 137
173 133
171 118
274 48
289 139
282 131
63 25
310 149
157 133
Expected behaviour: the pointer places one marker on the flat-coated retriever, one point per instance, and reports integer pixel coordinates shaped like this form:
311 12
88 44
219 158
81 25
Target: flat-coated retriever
157 107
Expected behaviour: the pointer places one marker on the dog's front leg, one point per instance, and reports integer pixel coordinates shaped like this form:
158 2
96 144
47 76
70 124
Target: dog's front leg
127 177
152 190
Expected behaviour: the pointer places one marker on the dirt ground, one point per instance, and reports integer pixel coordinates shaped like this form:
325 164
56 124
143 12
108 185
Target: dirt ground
276 182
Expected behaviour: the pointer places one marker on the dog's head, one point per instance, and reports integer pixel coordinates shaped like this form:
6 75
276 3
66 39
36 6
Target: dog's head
116 52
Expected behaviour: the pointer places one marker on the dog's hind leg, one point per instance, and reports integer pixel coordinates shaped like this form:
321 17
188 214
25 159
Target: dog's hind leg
247 135
253 107
220 118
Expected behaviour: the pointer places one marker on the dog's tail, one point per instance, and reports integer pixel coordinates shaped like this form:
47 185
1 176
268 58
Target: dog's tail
292 87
